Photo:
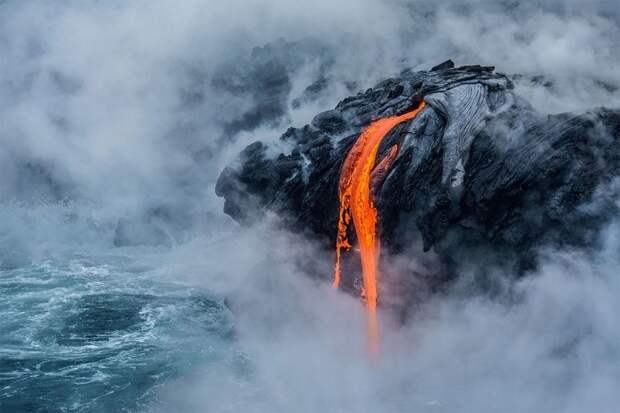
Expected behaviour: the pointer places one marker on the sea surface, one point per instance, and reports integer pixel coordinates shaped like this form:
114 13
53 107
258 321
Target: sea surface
85 332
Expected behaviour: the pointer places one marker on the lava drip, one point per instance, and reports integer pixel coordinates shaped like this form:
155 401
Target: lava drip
358 178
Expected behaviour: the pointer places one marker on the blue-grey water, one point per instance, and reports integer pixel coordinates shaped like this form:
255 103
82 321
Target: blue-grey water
101 333
230 323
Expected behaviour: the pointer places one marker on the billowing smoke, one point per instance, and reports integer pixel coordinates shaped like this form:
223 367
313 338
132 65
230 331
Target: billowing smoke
117 117
548 342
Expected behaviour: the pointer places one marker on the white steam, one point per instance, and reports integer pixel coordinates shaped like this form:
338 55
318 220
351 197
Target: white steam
114 103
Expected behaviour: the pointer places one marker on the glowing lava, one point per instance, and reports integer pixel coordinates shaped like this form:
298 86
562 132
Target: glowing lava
358 177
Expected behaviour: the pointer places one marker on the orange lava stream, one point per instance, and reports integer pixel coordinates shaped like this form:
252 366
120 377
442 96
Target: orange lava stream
357 179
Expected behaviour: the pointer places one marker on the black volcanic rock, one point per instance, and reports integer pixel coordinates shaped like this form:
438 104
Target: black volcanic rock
480 176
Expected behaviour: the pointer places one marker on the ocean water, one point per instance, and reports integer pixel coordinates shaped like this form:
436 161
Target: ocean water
102 333
230 323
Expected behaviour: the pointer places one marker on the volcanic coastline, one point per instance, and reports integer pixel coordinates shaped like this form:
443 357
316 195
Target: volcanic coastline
479 177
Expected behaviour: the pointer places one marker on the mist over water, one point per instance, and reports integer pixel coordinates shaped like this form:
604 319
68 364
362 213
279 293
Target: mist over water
126 288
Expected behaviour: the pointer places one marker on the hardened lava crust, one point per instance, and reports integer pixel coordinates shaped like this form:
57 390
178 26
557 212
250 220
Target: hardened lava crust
480 175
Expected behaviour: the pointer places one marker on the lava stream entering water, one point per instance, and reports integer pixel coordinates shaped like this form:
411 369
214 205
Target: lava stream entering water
357 177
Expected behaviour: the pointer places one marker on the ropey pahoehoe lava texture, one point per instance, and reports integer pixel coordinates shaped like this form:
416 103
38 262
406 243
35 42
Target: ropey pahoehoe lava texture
479 175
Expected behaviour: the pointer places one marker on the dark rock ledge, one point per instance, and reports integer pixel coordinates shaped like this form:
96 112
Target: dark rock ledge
480 177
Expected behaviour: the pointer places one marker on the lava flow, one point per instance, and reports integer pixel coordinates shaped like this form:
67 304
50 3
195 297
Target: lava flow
357 179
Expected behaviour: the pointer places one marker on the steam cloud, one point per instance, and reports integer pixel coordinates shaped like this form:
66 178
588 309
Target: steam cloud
129 110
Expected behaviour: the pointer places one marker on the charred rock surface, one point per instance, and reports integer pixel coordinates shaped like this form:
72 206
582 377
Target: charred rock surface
480 176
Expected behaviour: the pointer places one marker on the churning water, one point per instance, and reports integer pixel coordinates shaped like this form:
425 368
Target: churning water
101 333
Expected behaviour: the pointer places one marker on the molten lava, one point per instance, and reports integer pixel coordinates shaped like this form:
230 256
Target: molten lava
359 178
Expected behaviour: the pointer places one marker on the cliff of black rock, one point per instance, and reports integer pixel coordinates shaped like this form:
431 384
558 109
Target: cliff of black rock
479 176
